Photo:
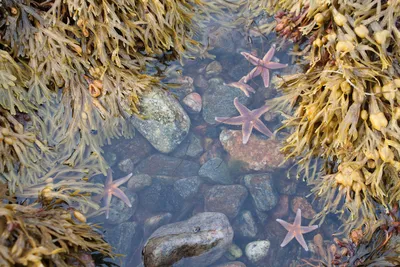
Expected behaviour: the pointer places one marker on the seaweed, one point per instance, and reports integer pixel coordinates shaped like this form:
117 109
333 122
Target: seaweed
46 233
72 72
344 107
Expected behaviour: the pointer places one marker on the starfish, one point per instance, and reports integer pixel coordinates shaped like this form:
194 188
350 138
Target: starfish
248 119
111 188
262 66
296 230
245 88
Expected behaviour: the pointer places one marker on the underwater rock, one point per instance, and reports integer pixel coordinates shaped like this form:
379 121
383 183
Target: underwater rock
198 241
192 103
185 86
159 164
188 187
257 155
262 190
257 251
191 147
307 210
166 123
200 81
135 149
245 225
227 199
123 237
232 264
213 69
151 224
160 197
234 252
218 100
216 171
119 211
138 182
126 165
282 209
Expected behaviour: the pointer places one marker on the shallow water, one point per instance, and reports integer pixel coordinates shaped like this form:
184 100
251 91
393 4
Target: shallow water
163 197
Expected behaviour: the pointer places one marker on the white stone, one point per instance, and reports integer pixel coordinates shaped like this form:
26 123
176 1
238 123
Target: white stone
257 250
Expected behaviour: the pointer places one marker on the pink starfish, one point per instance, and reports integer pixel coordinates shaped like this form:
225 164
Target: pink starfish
245 88
111 188
296 230
248 119
262 66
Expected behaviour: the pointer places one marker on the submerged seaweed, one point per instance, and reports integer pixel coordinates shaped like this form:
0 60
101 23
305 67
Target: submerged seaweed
344 108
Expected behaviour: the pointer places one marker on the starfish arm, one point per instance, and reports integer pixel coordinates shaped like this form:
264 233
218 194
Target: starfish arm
253 73
274 65
297 219
256 113
109 178
243 110
252 59
121 195
268 56
289 236
245 88
107 201
122 180
302 242
307 229
262 128
232 121
265 77
285 224
247 128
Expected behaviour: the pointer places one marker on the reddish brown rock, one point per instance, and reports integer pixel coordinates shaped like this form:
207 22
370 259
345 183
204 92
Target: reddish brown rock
192 103
307 210
257 155
281 210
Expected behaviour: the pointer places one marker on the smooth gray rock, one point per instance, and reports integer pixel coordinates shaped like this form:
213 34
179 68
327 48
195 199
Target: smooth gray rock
166 123
218 100
215 170
198 241
151 224
262 190
227 199
190 147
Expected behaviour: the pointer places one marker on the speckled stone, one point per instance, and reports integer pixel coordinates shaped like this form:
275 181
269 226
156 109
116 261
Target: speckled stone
166 124
258 154
262 190
216 171
257 251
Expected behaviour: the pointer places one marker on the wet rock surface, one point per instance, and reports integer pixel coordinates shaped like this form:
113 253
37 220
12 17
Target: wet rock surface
166 124
119 211
198 241
191 147
258 154
215 170
232 264
161 197
123 237
159 164
257 251
227 199
188 187
262 190
138 182
218 100
245 225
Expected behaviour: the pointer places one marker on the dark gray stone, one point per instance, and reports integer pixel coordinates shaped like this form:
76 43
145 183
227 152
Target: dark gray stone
159 164
245 225
188 187
198 241
153 223
138 182
122 237
190 147
227 199
262 190
160 197
215 170
119 211
218 100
